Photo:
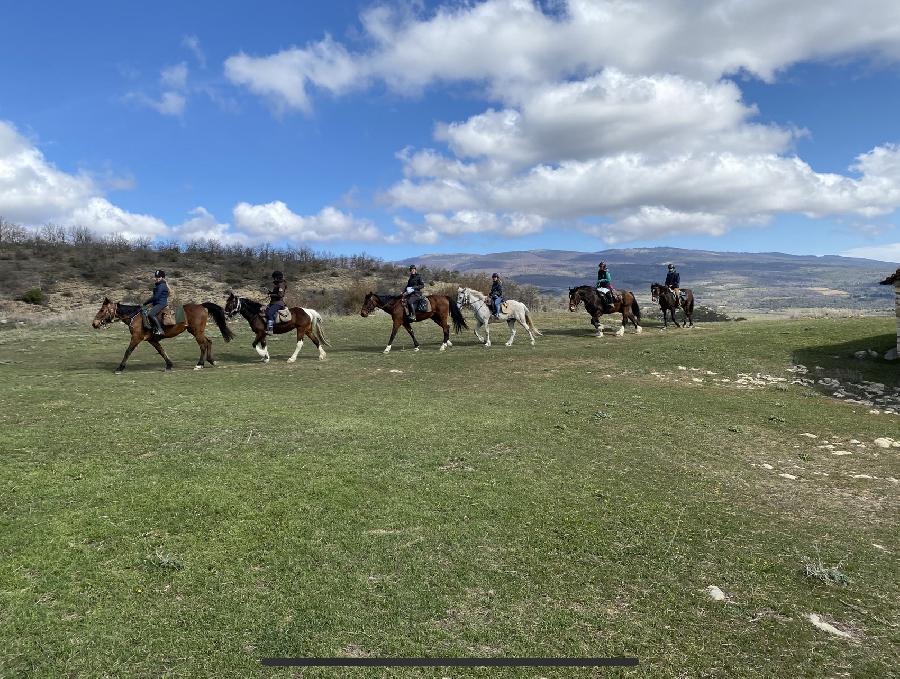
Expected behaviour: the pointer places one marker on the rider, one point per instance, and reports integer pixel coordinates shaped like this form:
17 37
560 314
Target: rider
496 294
604 286
158 301
413 291
276 300
673 282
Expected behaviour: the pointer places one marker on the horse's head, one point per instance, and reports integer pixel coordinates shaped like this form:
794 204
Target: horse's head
654 292
370 303
106 314
232 304
576 296
462 297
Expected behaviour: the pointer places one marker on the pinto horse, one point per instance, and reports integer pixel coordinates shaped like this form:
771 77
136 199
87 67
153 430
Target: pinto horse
195 319
666 299
442 310
625 304
308 323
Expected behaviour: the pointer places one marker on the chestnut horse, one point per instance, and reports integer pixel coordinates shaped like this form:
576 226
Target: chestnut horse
308 323
442 310
195 319
666 298
625 304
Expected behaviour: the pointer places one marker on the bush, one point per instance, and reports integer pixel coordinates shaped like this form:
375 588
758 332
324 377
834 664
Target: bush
33 296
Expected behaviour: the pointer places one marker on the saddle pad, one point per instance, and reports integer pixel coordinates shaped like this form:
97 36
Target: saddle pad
423 305
504 307
172 315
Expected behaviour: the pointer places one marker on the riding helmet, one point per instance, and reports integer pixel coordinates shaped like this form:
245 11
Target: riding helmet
159 273
277 275
412 266
671 267
601 265
495 275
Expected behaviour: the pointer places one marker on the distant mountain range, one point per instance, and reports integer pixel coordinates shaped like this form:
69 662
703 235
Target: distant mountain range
740 280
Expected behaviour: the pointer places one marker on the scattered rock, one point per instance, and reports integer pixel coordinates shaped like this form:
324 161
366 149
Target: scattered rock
767 466
395 371
790 477
809 436
715 593
891 355
884 442
864 476
880 547
841 452
827 627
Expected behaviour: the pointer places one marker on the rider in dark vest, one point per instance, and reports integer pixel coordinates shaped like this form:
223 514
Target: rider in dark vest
158 300
673 282
496 294
412 293
276 300
604 287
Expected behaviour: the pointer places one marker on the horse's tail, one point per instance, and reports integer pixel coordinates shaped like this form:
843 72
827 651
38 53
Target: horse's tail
218 314
317 326
531 324
635 309
459 322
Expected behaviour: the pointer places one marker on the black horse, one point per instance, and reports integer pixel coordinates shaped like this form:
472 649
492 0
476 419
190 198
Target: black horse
669 303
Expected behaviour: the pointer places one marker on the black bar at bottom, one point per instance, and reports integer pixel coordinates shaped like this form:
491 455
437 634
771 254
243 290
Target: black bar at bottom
450 662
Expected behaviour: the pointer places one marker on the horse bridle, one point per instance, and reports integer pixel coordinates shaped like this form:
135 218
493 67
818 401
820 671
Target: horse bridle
467 299
237 308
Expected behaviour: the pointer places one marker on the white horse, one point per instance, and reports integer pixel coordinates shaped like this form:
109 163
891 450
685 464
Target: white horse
516 312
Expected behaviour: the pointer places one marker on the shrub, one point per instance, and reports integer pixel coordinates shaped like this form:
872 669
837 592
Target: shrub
33 296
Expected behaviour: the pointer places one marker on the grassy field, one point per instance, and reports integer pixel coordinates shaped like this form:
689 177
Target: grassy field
555 500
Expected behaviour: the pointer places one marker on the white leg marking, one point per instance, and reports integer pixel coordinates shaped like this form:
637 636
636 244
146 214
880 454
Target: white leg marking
321 353
198 367
443 347
620 331
387 349
639 330
296 351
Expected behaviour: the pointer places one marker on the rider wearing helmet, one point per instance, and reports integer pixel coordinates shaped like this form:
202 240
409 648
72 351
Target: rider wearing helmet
496 294
276 300
673 282
604 287
158 301
413 291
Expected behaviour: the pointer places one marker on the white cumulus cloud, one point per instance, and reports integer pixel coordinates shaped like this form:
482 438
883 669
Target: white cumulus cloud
276 222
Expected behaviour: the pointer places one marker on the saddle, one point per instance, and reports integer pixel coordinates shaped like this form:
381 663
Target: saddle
504 307
168 317
284 315
422 304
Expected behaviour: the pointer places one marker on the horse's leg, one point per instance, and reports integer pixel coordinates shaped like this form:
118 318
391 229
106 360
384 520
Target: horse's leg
397 324
595 321
486 322
524 321
445 326
260 345
621 330
511 324
409 329
478 326
135 340
162 352
201 341
315 340
299 345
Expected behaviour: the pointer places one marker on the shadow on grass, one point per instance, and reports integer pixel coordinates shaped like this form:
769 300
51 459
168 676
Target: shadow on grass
838 361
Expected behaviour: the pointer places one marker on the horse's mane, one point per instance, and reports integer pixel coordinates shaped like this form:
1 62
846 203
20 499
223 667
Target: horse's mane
584 287
130 309
476 293
254 306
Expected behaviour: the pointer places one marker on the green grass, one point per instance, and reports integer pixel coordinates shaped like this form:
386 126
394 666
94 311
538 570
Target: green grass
556 500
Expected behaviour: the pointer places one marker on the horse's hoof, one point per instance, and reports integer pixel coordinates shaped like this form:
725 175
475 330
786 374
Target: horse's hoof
291 360
387 351
169 368
198 367
449 343
117 372
266 359
509 344
639 330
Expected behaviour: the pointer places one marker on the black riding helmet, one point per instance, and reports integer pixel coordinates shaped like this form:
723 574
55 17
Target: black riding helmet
277 275
412 266
602 265
671 267
159 273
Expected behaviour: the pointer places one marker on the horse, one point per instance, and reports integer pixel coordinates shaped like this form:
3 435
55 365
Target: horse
442 310
517 312
195 319
666 298
625 303
308 323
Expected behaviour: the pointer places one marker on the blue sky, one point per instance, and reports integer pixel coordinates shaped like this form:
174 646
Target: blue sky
409 128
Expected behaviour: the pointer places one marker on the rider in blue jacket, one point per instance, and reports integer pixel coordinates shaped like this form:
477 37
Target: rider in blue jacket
158 301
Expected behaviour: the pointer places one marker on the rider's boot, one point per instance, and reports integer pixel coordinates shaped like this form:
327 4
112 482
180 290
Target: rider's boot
157 326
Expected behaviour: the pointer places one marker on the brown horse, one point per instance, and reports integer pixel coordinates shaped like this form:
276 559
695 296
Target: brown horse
195 319
625 304
666 299
308 323
442 310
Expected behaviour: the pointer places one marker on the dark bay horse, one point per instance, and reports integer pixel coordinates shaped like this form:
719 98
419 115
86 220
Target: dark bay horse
307 322
625 304
666 299
442 310
195 319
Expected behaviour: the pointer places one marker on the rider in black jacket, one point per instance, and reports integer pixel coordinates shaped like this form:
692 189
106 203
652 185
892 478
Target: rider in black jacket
496 294
413 292
158 301
673 282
